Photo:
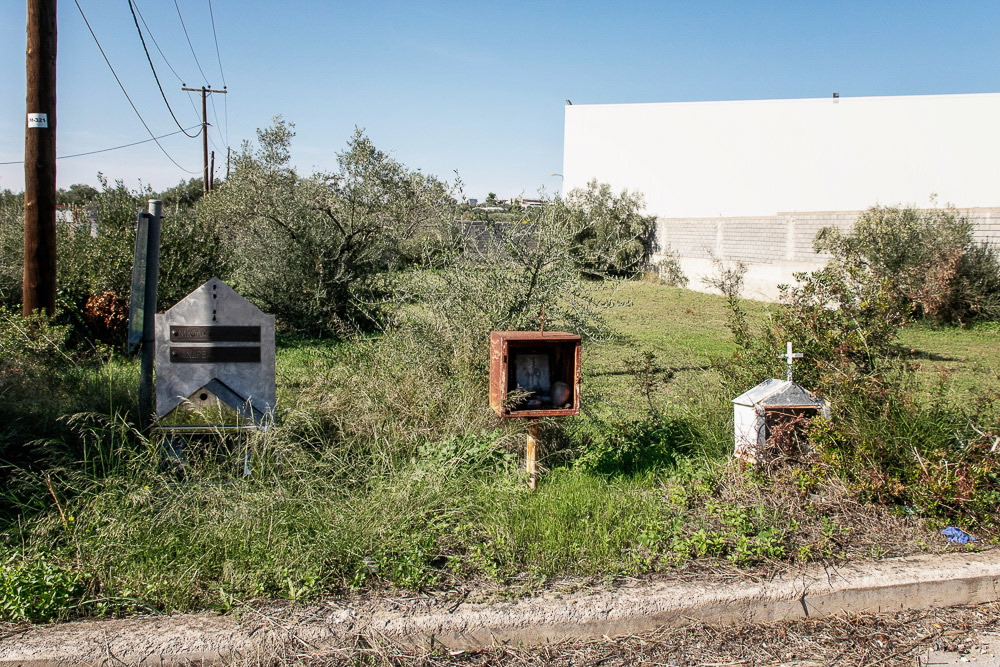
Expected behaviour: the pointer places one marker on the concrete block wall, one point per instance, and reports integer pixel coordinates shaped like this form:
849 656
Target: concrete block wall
772 247
987 222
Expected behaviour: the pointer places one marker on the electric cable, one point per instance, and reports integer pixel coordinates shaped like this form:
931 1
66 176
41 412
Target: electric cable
203 77
141 119
156 44
114 148
216 114
150 61
225 102
216 36
162 55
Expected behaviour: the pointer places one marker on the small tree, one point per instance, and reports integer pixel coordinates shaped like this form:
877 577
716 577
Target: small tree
612 235
185 194
78 194
929 258
309 249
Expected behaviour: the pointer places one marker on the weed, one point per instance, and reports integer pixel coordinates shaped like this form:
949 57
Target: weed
38 588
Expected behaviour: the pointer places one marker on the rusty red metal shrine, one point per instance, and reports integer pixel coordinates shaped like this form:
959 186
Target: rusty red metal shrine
533 362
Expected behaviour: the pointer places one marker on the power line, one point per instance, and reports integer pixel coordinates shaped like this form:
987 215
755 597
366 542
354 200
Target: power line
150 60
216 114
214 34
162 55
156 44
141 119
225 101
203 77
113 148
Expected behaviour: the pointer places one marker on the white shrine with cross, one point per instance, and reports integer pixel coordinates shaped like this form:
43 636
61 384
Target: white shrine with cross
756 410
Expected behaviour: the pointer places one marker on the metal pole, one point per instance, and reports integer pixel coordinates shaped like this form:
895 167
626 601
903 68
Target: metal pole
149 312
38 286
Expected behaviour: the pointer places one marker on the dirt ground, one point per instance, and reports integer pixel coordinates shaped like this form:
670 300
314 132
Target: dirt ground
947 637
968 635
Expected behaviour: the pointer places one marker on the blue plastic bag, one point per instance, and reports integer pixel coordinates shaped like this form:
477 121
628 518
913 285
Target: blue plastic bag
957 536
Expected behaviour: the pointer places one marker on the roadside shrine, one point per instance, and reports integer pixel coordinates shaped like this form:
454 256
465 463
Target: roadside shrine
773 407
534 374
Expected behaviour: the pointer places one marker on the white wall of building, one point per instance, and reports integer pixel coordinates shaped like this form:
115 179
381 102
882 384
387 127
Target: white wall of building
763 157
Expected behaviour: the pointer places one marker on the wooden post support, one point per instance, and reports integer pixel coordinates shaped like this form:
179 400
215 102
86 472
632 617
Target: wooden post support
531 454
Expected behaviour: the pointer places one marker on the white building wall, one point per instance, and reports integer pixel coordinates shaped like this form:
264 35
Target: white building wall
761 157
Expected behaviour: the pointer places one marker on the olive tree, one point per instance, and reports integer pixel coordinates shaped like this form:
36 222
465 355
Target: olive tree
612 236
309 249
929 258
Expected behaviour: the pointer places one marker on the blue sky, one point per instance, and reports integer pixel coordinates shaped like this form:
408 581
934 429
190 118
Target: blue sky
477 87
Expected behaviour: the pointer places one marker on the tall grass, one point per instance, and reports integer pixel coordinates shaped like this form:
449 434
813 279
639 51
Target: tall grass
387 469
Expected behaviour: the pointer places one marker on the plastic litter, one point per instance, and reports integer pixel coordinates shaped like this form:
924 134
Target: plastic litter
957 536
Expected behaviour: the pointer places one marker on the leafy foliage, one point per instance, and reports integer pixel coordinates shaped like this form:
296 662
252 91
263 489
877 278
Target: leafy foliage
611 235
37 589
185 193
669 270
635 446
890 444
502 280
96 248
929 258
308 249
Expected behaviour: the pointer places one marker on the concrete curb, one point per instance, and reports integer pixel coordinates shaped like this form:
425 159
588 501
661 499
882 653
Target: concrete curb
920 582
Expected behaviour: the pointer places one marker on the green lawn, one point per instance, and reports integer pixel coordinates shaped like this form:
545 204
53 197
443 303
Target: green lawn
685 329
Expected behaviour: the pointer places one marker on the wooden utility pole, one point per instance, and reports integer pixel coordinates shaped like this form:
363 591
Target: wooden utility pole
206 185
38 286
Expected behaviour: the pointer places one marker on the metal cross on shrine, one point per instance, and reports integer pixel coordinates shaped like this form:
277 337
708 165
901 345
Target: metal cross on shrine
789 357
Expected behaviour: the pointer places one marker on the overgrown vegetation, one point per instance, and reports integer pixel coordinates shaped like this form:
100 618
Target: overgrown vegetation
893 444
311 249
611 235
386 467
928 258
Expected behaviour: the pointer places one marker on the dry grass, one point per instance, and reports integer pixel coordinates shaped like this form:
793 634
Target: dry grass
858 640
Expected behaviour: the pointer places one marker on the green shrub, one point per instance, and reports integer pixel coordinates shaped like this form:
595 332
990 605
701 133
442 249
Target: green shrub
37 589
311 249
635 446
929 257
669 270
845 321
11 247
96 254
35 370
890 443
611 236
895 450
